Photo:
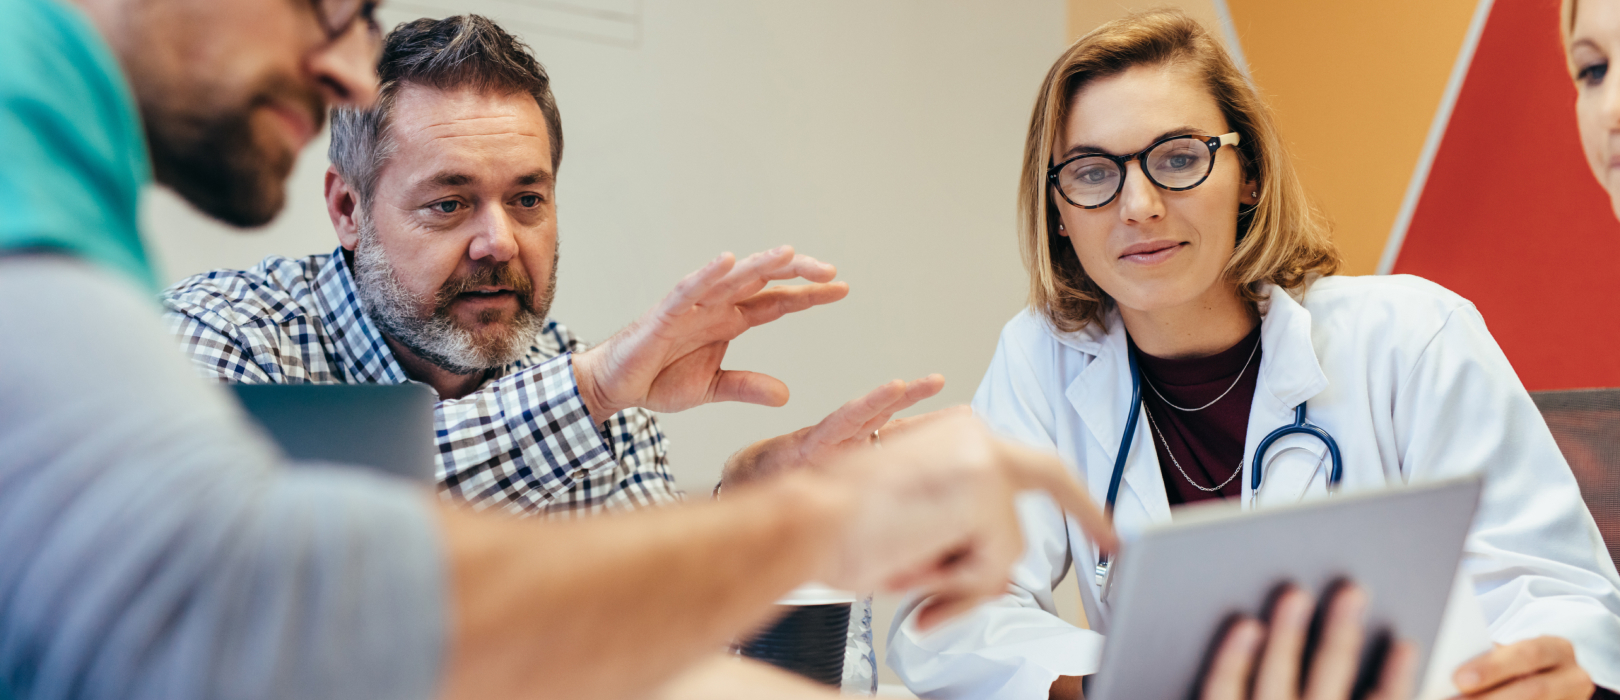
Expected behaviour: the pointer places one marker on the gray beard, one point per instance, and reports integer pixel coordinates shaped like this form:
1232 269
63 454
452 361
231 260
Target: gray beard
432 333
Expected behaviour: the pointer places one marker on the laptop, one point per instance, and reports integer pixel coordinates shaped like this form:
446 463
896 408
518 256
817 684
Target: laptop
388 427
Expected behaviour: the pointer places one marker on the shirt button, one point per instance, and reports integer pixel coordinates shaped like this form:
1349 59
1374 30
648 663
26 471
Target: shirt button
579 474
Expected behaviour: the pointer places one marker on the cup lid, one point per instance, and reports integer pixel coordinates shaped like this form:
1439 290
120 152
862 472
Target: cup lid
813 593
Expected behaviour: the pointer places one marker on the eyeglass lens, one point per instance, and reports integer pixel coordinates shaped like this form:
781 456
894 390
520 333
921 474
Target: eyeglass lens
340 16
1178 163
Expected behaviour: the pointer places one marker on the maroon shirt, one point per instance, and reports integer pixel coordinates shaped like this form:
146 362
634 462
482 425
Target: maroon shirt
1207 443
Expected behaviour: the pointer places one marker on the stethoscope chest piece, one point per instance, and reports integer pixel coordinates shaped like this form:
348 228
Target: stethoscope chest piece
1257 469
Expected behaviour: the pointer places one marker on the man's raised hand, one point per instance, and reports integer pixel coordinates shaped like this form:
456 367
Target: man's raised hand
669 359
852 426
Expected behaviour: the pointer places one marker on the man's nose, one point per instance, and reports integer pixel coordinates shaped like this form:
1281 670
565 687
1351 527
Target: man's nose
346 69
496 238
1140 199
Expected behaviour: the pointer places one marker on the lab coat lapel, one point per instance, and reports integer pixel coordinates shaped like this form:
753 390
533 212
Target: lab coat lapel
1100 394
1289 375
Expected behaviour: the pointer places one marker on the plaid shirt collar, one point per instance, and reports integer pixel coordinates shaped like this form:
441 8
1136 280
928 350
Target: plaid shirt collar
363 354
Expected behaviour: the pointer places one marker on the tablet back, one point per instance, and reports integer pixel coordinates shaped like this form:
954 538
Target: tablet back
1178 585
388 427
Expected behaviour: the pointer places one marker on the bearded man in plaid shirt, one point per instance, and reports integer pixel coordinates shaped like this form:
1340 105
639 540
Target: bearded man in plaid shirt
442 195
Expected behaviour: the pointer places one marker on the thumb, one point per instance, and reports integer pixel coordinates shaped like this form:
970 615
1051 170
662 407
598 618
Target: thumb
749 387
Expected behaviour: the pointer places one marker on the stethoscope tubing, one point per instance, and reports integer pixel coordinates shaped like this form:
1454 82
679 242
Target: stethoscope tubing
1256 466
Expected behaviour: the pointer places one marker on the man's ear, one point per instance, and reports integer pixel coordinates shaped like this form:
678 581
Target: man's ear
342 204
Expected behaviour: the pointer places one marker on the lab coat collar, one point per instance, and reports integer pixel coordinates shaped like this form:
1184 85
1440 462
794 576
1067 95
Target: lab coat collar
1289 371
1101 393
1289 374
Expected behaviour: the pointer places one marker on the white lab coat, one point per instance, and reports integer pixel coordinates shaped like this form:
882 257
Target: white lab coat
1405 376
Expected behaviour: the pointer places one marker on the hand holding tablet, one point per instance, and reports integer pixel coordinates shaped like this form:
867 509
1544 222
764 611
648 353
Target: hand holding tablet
1186 596
1276 655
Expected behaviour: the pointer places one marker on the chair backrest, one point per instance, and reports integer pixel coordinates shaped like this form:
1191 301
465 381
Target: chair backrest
1586 424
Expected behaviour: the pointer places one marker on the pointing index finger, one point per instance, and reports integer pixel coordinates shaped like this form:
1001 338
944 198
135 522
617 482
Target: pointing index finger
1033 469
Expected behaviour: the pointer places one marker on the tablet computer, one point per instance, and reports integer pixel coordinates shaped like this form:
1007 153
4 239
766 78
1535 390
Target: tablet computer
1178 585
388 427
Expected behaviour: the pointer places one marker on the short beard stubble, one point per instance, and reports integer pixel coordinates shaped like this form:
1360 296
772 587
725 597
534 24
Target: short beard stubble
428 329
212 156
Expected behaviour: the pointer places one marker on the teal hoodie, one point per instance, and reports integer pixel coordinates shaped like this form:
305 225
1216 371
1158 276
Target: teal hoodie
73 156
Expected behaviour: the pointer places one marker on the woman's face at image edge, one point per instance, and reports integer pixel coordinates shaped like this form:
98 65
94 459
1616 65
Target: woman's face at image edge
1594 39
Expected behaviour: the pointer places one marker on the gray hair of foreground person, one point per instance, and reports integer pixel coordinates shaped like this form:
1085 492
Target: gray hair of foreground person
461 51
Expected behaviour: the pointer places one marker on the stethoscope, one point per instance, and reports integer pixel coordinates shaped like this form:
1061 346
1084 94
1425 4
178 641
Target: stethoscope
1256 470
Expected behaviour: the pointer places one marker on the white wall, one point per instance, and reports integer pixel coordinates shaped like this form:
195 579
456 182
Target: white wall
880 135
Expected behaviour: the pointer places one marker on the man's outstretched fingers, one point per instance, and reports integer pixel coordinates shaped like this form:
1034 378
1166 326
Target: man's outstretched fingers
759 269
695 286
776 302
806 267
915 391
798 265
745 270
925 387
1033 469
846 422
749 387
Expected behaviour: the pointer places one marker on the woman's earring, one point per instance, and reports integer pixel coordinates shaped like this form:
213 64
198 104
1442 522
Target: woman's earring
1060 227
1255 194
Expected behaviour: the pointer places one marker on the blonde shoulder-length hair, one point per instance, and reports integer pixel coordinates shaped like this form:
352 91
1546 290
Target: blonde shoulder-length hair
1282 240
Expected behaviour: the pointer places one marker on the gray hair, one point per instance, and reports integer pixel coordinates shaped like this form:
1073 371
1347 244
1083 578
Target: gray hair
454 52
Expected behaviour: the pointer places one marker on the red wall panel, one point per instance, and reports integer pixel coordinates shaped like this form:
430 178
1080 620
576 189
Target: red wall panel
1512 219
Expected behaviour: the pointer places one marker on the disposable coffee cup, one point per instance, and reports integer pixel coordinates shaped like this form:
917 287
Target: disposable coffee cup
809 637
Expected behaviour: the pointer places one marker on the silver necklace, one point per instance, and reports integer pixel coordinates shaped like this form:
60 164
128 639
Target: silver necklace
1184 474
1218 398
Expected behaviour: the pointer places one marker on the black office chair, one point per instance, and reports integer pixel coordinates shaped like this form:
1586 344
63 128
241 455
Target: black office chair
1586 424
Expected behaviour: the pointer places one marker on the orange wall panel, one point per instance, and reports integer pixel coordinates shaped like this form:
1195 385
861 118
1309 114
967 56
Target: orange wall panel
1355 86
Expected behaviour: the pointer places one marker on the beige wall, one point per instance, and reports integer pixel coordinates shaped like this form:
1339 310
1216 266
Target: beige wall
867 133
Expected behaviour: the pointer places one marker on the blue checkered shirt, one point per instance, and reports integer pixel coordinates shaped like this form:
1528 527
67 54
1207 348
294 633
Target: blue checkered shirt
523 442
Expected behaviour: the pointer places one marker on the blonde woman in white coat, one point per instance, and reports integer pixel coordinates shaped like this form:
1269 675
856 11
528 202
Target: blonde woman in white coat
1196 252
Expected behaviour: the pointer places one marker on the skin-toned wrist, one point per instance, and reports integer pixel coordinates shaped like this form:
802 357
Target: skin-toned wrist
584 365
